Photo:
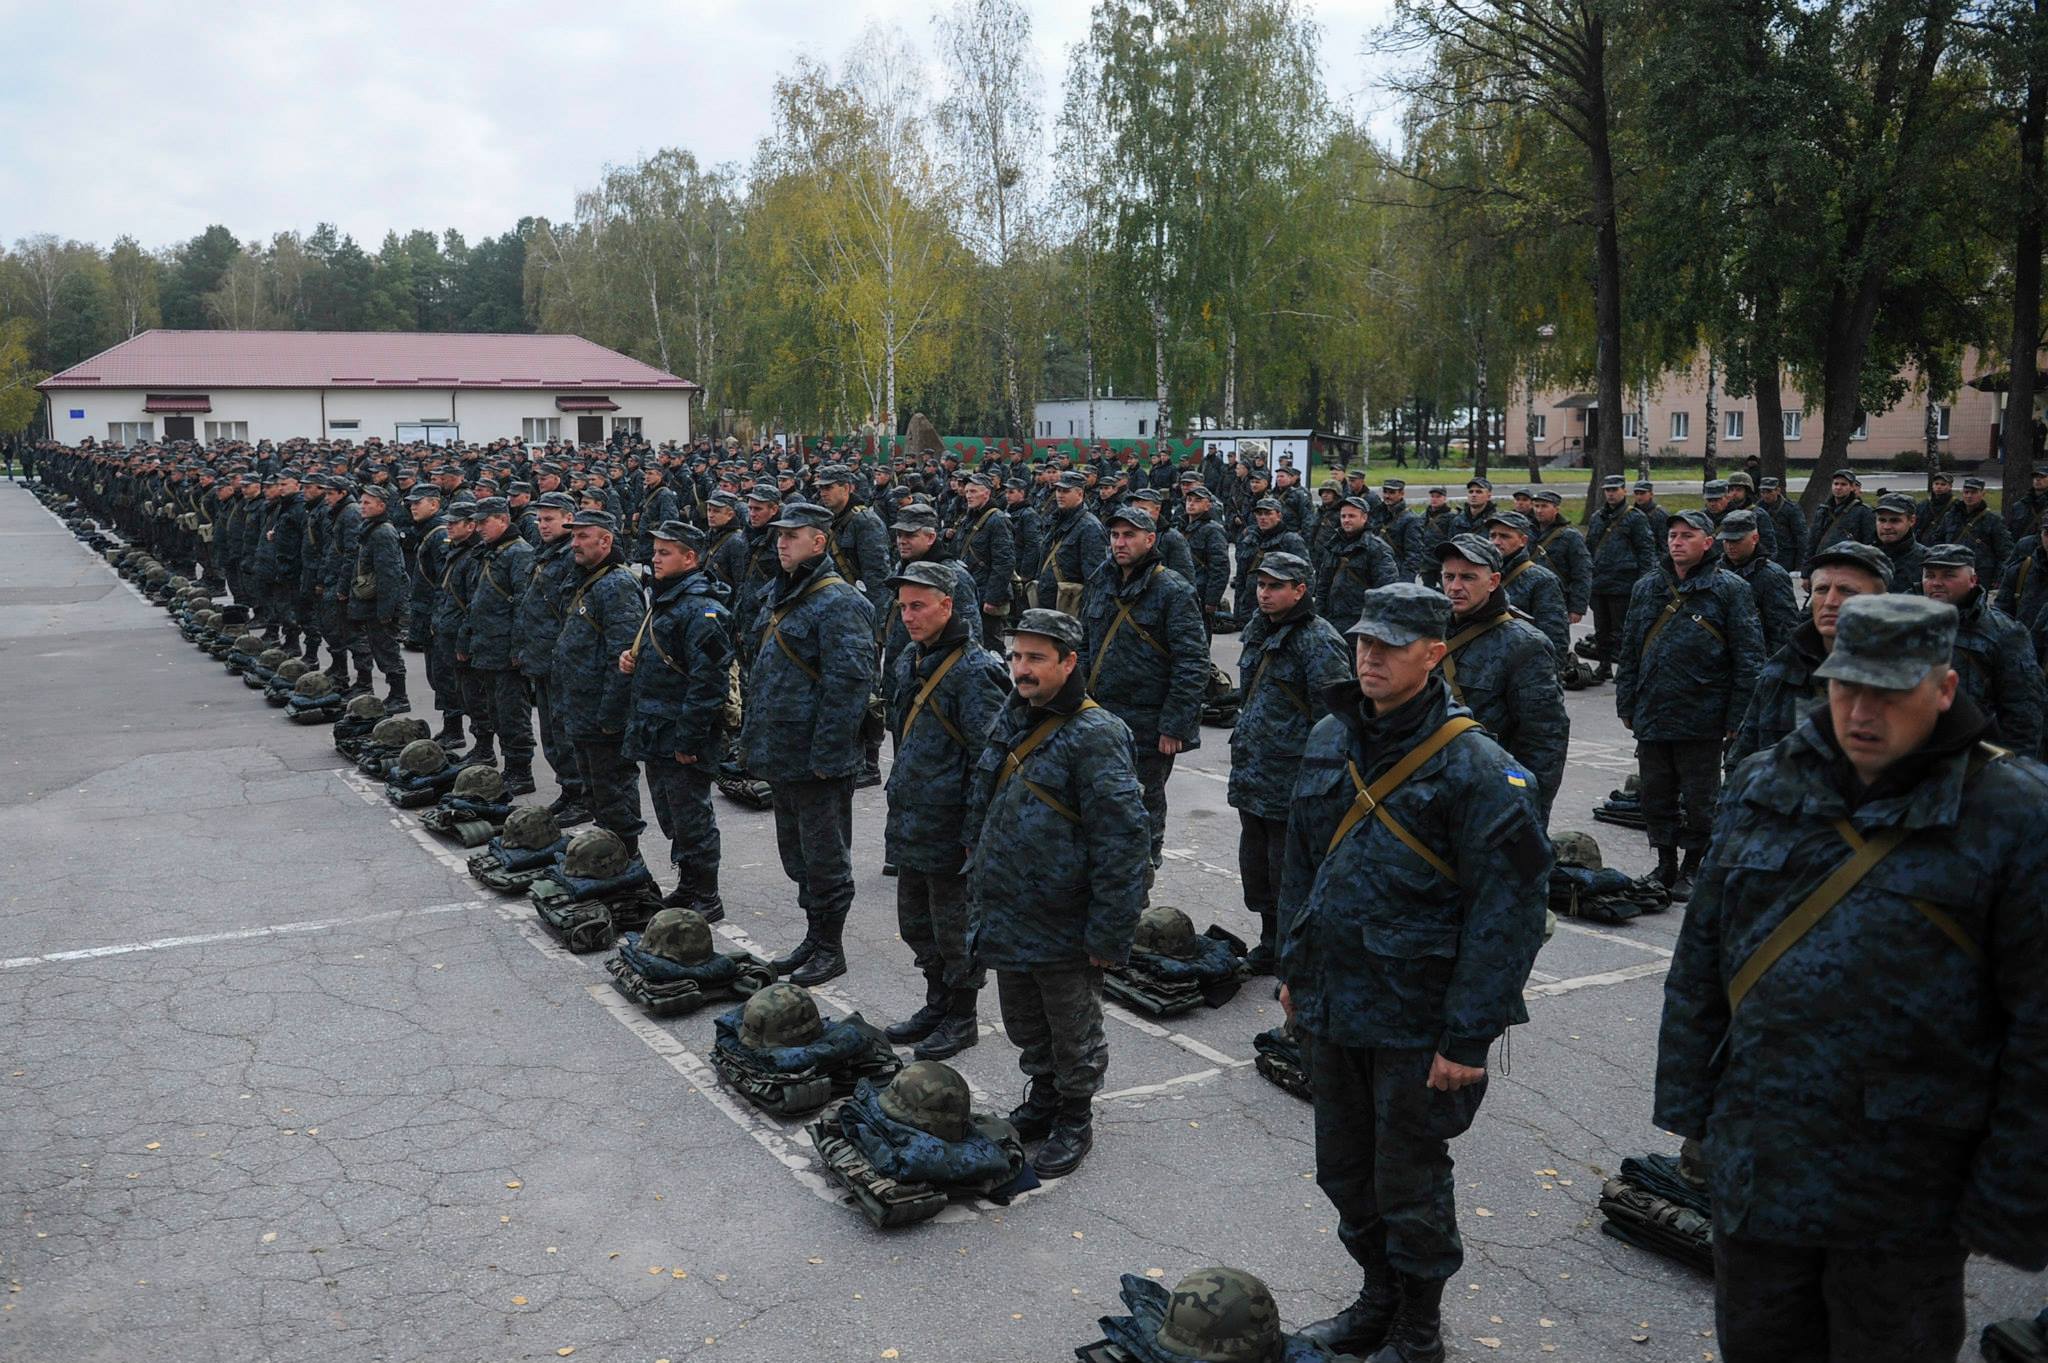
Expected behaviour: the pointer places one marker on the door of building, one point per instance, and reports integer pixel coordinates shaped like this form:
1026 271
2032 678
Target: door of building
590 430
177 428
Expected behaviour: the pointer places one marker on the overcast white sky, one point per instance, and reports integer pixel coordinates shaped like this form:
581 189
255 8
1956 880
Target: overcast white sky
155 119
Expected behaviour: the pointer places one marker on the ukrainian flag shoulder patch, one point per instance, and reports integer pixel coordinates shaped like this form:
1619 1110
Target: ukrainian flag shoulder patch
1518 778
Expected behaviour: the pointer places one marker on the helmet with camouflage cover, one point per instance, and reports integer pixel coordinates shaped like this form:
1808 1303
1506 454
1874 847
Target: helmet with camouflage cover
780 1015
269 659
530 828
250 644
679 935
207 618
485 785
1165 931
158 576
595 854
179 583
1222 1315
421 757
291 669
931 1097
1632 785
314 686
366 707
395 731
1574 848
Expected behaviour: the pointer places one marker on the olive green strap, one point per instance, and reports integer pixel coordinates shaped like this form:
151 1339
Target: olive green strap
1371 798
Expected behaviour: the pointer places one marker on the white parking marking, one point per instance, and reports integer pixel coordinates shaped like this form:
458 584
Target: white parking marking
238 935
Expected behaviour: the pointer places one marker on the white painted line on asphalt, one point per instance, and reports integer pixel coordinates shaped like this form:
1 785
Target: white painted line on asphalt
1186 854
1168 1085
1605 977
1180 1039
1565 925
238 934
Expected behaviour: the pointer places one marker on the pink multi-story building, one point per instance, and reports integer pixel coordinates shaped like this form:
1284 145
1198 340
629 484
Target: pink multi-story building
1567 421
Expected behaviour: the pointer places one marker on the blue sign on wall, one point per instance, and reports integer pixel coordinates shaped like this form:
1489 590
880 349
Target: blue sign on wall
78 413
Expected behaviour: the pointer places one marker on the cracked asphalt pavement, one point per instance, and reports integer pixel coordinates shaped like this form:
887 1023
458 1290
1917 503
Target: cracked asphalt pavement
281 1083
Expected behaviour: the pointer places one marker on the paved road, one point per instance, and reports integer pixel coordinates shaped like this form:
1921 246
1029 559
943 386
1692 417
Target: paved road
281 1084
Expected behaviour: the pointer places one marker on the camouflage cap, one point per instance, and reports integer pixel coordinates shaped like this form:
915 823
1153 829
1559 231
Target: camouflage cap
1698 520
913 517
1511 520
1737 525
1890 642
493 506
1767 485
1360 502
424 492
1136 516
925 573
1472 548
1973 484
1073 478
555 501
1151 496
1716 488
1386 484
1896 504
1645 485
462 509
1400 613
1483 483
1283 567
1854 554
1267 504
679 532
596 520
1549 495
1196 488
766 493
724 499
802 516
1949 556
1613 482
834 475
1058 626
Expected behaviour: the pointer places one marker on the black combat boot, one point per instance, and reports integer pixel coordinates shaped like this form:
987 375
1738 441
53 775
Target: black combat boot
683 896
1417 1334
1261 959
1688 872
450 738
798 956
958 1030
828 962
1603 673
397 703
1068 1143
632 846
924 1021
1033 1117
705 887
1667 867
519 778
485 753
572 815
1362 1326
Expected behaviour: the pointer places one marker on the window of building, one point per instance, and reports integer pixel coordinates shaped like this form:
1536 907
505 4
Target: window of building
1795 425
348 425
1541 425
1734 427
1628 425
1941 415
540 430
229 430
1862 431
1681 425
1141 425
626 425
132 432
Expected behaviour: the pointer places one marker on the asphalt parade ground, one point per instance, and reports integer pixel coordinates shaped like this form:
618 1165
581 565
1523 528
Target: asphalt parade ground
281 1082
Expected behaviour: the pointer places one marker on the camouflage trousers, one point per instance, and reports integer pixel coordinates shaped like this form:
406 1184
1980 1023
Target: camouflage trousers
1383 1153
443 679
554 740
1053 1017
378 640
1813 1304
937 923
1681 781
503 691
1154 769
682 807
1610 613
611 787
814 836
1261 849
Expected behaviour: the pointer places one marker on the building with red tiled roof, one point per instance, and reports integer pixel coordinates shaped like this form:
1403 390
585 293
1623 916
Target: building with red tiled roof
355 385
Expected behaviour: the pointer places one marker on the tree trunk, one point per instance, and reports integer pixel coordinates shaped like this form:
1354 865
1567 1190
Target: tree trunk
1607 452
1529 428
1482 423
1643 427
1159 388
1230 377
1394 436
1713 415
1770 398
2026 305
1932 435
1364 427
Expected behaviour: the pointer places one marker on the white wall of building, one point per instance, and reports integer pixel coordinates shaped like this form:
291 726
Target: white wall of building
1115 419
478 414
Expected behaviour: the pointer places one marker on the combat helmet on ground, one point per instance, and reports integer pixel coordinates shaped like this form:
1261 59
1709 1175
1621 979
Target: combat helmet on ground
292 669
932 1097
780 1015
366 707
1574 848
595 854
421 757
395 731
1165 931
1222 1315
270 658
313 686
679 935
530 828
484 785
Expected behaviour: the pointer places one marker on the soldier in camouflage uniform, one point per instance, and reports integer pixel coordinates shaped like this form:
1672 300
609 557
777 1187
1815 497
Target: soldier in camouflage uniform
1855 1019
489 641
1787 520
1895 526
1408 926
681 663
807 694
380 593
1355 562
1993 654
946 691
1266 533
1072 547
1622 549
1842 517
2024 589
1289 659
1057 832
1786 688
1742 554
1983 530
1496 664
1532 588
1026 538
1690 654
725 542
1208 546
337 571
1559 547
551 578
989 552
1405 532
1146 657
600 616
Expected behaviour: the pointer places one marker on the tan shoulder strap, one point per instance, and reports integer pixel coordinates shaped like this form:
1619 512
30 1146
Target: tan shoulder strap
924 695
1049 726
1457 642
1371 798
1123 617
782 612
